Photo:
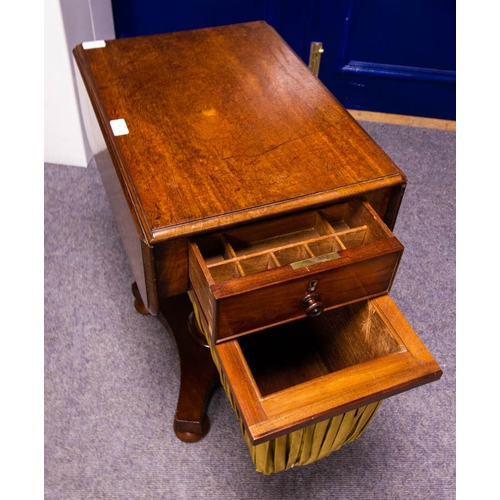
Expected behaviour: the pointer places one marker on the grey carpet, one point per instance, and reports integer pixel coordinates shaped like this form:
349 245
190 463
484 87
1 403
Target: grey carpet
112 375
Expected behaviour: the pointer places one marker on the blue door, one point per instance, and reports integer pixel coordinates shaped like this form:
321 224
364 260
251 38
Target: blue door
392 56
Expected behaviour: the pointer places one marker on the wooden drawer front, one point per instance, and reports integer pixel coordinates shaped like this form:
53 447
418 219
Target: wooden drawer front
276 271
294 375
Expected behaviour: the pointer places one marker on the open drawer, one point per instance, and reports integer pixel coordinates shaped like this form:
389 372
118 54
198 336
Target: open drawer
275 271
297 374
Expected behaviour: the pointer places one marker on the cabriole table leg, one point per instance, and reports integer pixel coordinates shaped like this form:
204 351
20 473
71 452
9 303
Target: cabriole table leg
199 376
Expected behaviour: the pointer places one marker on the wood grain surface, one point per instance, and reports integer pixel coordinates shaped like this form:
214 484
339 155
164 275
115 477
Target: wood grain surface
225 125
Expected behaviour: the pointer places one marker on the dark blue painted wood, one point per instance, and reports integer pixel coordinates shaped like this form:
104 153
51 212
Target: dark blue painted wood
390 56
393 56
147 17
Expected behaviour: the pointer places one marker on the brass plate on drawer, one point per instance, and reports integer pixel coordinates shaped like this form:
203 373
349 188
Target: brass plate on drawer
315 260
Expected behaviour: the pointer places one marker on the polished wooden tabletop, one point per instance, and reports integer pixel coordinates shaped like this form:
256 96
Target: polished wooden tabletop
225 125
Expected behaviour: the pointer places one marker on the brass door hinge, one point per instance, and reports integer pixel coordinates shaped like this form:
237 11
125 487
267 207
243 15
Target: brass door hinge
315 57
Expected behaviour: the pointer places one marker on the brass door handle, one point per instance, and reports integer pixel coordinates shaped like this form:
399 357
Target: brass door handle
315 56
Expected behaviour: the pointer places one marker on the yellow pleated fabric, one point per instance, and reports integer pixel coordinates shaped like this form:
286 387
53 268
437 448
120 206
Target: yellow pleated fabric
303 446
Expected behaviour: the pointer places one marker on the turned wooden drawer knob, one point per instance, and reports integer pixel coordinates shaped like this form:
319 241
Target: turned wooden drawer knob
313 305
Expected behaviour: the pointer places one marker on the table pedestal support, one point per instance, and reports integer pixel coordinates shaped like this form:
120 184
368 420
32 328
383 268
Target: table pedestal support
199 376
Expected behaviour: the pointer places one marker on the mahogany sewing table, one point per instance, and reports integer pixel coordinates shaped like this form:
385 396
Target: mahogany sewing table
236 176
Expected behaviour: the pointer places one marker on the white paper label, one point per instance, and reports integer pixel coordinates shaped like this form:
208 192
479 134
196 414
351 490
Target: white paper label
94 44
119 127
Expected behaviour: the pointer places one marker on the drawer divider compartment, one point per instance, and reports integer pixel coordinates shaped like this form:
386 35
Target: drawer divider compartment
345 248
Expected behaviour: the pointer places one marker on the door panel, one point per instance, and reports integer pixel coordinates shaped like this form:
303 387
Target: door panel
147 17
389 56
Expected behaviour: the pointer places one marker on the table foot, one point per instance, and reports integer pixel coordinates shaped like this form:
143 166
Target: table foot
181 426
138 303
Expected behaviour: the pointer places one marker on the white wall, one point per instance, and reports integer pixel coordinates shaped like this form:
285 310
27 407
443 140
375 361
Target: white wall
68 23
